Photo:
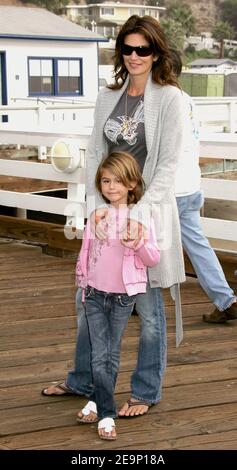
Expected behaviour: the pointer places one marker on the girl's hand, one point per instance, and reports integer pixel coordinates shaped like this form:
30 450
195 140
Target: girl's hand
134 232
98 224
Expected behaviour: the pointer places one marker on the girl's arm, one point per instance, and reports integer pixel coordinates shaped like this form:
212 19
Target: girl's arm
146 249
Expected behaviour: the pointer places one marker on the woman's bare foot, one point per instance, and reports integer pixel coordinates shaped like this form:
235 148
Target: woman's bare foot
134 407
57 389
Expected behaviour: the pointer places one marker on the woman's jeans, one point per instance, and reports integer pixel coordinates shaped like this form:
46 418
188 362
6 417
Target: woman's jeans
147 378
107 316
200 253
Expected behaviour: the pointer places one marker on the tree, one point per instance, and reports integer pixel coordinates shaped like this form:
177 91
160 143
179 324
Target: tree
174 33
182 14
223 30
229 13
155 3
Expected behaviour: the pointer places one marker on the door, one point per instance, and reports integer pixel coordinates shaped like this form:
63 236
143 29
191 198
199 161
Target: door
3 83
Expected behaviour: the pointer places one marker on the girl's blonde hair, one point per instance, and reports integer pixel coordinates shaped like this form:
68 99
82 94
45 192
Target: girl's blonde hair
124 167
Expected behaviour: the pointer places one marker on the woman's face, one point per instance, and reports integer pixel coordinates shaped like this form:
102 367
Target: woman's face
137 65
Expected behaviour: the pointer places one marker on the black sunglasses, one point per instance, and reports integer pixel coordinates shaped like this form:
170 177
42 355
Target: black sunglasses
141 51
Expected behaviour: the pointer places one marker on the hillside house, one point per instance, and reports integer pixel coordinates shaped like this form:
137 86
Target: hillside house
107 17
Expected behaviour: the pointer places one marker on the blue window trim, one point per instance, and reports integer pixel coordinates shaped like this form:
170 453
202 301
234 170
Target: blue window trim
4 82
55 75
52 38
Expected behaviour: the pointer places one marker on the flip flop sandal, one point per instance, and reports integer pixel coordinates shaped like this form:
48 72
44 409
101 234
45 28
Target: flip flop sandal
135 403
107 424
60 386
90 407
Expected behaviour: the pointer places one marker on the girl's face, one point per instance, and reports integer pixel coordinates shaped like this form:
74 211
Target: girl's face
113 189
135 64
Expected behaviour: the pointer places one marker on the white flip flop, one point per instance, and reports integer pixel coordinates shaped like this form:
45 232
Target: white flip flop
90 407
107 424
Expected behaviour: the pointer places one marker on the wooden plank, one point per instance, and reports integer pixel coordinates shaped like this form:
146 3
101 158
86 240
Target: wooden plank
57 427
57 239
24 229
199 393
219 209
29 185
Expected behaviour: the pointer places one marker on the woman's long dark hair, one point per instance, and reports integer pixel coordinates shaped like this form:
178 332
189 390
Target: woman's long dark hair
149 27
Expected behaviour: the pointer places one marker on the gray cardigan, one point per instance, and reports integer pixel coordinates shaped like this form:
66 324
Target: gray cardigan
163 130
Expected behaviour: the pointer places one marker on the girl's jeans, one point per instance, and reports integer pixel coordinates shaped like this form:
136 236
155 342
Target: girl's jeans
147 378
107 316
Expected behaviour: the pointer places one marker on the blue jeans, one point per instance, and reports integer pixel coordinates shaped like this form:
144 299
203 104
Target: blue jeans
147 378
107 316
200 253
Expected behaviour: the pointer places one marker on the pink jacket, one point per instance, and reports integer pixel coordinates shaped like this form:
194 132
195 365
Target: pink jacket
134 262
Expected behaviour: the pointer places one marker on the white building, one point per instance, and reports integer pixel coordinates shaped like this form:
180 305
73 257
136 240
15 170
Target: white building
107 17
208 66
44 55
204 41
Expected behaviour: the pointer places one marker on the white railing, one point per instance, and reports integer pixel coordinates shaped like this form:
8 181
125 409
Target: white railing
215 113
73 207
223 146
44 115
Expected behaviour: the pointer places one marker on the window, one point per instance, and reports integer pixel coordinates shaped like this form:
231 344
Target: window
54 76
69 80
134 11
107 11
41 76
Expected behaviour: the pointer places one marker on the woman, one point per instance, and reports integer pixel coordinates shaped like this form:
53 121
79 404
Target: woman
140 113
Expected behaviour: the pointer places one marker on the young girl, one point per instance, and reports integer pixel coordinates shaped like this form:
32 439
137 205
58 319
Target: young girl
111 272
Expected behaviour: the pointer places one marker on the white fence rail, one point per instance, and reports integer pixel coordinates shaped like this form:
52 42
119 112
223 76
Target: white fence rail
216 114
73 207
222 146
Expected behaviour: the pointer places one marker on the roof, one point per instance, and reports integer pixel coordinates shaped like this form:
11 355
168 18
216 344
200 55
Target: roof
37 23
114 5
211 62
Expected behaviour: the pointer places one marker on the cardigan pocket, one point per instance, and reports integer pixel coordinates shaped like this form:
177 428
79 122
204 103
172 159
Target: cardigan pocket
140 269
138 262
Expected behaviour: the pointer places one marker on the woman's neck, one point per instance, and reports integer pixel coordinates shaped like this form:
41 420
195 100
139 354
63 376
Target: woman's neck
136 86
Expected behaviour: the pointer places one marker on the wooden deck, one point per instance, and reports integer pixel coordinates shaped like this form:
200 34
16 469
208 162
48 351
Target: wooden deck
37 328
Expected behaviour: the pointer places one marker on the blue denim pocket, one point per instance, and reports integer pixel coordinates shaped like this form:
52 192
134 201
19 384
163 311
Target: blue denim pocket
196 201
125 300
89 292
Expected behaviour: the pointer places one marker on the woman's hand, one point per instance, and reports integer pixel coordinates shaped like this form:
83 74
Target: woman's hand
98 223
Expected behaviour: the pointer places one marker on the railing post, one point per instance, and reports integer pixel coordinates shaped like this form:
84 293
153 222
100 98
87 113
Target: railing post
75 196
232 119
42 152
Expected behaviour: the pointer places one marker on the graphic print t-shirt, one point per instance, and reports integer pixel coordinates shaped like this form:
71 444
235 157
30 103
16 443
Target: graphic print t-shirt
126 132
